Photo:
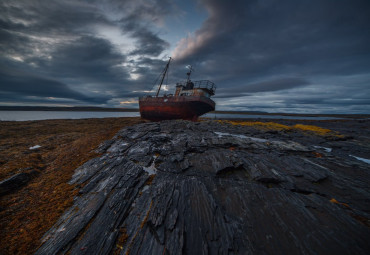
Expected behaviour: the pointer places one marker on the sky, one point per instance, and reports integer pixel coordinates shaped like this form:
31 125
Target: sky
293 56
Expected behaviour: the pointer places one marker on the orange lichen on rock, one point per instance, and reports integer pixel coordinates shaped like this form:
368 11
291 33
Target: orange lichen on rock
258 124
122 239
138 230
317 155
353 213
314 129
280 127
147 215
150 179
334 201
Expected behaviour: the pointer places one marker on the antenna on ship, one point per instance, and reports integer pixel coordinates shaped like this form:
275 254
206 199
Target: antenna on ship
189 73
163 75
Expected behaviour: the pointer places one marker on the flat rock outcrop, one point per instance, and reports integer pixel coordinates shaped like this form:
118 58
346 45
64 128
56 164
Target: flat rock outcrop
178 187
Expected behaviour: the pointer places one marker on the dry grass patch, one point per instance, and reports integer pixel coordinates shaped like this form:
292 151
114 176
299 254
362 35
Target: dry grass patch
29 212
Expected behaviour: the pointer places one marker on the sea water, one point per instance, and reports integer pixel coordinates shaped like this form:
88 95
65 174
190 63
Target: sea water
252 116
47 115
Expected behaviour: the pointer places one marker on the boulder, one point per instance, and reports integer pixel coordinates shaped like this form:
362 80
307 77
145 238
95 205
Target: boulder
16 181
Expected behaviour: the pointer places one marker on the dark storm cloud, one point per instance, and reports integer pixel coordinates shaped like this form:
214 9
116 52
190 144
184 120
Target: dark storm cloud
137 22
15 84
149 43
245 42
228 95
105 52
265 37
56 49
330 101
10 99
274 85
89 58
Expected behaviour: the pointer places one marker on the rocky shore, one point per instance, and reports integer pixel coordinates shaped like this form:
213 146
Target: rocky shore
222 187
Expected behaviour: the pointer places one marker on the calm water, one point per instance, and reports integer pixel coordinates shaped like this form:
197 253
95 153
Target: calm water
246 116
44 115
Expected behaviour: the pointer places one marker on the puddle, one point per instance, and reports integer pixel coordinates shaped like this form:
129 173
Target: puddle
35 147
260 140
361 159
146 187
151 169
324 148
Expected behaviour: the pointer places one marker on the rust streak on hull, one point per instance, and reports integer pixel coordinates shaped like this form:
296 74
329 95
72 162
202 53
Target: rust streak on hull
183 107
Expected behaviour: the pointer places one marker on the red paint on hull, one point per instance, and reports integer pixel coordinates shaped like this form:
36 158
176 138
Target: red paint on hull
182 107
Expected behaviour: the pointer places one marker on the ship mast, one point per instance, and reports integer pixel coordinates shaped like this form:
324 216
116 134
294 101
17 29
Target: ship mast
164 74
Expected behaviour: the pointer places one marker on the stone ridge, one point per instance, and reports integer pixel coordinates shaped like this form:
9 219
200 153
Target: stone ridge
179 187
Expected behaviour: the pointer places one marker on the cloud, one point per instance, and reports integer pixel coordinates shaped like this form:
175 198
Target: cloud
266 55
311 98
245 45
88 58
13 84
255 38
264 86
88 51
141 15
148 43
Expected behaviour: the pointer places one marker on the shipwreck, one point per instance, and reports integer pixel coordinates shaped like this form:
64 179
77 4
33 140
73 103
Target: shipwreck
190 100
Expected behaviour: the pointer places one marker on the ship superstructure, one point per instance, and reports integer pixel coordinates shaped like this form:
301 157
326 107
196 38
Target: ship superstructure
190 100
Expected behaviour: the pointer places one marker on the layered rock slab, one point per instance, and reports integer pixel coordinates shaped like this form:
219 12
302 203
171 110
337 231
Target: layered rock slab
178 187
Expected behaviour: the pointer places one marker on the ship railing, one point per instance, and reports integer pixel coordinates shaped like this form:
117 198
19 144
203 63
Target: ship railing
149 96
202 84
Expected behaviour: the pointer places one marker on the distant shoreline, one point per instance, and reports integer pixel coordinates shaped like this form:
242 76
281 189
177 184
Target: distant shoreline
296 114
102 109
72 109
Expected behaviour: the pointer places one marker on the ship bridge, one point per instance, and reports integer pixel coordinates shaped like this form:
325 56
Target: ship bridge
202 87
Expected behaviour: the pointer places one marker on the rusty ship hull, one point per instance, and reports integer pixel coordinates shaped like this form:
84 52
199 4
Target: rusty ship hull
190 100
182 107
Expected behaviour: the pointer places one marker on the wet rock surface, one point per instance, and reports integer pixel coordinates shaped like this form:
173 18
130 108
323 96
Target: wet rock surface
178 187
